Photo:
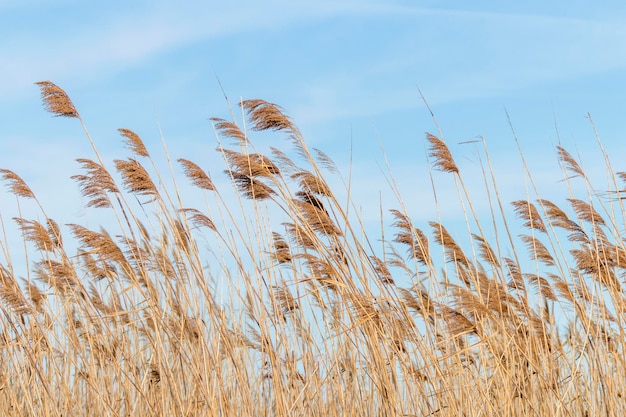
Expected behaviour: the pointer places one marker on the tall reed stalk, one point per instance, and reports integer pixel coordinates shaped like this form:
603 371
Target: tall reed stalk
278 302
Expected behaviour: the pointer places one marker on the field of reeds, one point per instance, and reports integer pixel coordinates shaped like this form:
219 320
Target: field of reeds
279 302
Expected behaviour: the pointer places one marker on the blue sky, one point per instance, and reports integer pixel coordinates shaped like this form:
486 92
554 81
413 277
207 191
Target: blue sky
348 73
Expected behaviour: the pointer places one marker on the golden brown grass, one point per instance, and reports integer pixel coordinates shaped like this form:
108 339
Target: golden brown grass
291 310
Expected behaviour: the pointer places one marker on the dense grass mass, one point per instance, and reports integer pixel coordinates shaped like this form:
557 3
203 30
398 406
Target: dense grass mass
283 304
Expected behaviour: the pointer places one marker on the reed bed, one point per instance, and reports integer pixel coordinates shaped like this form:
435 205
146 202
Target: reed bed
283 304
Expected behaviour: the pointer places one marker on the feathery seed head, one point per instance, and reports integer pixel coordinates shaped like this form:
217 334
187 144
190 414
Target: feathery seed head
56 100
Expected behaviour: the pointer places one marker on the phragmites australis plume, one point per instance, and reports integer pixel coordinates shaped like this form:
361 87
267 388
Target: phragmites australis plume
315 215
252 164
95 184
381 270
198 219
537 250
282 252
453 250
229 130
527 211
135 177
557 216
264 115
134 142
196 175
311 183
586 212
570 163
56 100
44 239
16 184
441 154
250 187
414 238
486 251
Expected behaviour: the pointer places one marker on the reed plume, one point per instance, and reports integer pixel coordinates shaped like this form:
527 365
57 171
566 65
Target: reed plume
16 184
56 100
294 306
441 155
134 142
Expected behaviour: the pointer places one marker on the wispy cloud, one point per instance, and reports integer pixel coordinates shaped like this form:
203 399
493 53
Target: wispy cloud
63 47
459 54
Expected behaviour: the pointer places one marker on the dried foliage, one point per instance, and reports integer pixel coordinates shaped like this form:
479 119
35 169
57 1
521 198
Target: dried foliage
134 142
586 212
412 237
16 184
527 211
570 163
315 216
454 251
441 155
229 130
96 184
136 178
196 175
250 187
199 219
312 184
171 311
56 100
254 165
263 115
45 239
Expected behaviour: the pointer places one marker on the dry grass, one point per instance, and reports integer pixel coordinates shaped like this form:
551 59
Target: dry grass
290 311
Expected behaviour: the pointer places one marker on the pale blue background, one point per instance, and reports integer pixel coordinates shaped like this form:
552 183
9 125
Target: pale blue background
348 73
